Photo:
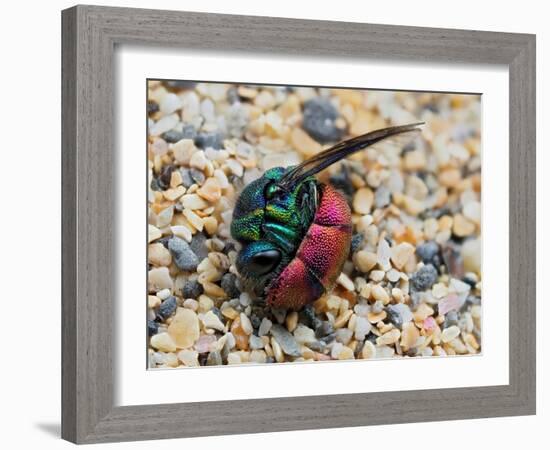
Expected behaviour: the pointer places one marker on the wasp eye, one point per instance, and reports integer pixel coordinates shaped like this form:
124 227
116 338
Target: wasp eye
272 190
264 262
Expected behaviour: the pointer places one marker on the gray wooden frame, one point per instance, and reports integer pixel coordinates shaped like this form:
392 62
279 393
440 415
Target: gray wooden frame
90 34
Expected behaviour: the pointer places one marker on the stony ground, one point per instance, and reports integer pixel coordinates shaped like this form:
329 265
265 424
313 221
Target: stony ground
412 284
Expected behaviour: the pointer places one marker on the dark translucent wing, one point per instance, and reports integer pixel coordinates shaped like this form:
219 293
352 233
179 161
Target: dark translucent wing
397 135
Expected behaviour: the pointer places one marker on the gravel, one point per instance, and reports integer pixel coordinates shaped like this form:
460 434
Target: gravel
319 120
425 278
183 255
414 267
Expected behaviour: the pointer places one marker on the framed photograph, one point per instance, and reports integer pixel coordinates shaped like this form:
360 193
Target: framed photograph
314 232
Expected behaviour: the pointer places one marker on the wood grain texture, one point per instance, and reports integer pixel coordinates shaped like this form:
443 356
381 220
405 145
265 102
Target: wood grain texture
89 262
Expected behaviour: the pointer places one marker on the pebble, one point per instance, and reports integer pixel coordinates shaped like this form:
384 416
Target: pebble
380 294
383 254
246 325
189 358
471 254
193 201
211 320
153 233
304 334
394 317
209 140
451 302
152 327
193 219
409 336
184 328
167 307
363 200
285 340
229 285
214 359
401 253
427 251
182 232
192 289
183 256
403 310
159 278
256 342
448 334
163 125
345 281
319 117
304 144
462 227
265 327
210 190
365 260
424 278
368 351
391 337
382 197
362 328
241 338
170 103
158 255
163 342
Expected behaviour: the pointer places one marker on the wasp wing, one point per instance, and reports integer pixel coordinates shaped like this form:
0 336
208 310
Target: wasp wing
394 136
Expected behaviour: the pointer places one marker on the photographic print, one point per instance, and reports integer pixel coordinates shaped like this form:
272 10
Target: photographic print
295 224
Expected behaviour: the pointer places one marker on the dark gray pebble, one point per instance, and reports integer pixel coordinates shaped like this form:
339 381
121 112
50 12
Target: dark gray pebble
324 329
394 316
427 251
198 245
318 120
341 181
192 289
167 308
172 136
187 179
270 360
184 257
165 176
197 176
328 338
155 185
152 107
425 278
372 338
209 140
356 241
255 321
229 285
152 327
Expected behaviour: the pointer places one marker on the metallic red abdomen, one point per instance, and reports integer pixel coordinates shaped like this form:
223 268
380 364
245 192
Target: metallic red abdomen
320 257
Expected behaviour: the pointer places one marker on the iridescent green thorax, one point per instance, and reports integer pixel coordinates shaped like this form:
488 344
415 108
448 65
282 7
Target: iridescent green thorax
278 217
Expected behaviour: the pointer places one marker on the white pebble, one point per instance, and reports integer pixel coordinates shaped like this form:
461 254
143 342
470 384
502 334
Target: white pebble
170 103
265 326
